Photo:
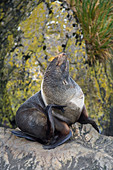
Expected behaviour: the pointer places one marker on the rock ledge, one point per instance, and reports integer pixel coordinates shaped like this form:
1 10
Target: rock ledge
86 150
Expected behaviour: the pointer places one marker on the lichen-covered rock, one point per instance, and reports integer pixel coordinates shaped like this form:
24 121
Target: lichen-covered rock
86 150
32 33
29 43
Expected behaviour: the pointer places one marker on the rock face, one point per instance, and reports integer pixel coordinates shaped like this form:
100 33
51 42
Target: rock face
86 150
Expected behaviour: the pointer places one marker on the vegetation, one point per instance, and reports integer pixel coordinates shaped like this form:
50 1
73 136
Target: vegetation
96 18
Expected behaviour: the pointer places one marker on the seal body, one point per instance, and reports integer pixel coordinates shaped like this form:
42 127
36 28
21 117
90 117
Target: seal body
36 122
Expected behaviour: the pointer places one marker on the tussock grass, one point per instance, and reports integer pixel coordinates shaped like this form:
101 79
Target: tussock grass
96 18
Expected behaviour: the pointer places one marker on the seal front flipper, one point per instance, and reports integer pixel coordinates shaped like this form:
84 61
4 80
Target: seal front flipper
50 121
85 120
60 107
59 141
21 134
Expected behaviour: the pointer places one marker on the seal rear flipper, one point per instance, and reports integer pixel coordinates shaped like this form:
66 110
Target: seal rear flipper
59 141
21 134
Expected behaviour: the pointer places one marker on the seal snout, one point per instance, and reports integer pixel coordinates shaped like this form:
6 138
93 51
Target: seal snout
61 60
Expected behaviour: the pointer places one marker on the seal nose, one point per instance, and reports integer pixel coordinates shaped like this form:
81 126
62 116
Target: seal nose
64 54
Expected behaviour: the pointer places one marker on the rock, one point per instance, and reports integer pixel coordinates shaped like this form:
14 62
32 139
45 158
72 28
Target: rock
85 150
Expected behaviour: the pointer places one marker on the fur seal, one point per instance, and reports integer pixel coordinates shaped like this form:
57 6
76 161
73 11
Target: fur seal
63 90
47 115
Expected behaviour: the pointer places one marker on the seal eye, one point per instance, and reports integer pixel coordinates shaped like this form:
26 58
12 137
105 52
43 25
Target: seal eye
65 82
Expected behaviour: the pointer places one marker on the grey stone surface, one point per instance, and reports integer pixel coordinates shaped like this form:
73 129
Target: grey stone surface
85 150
